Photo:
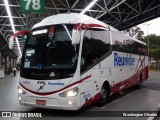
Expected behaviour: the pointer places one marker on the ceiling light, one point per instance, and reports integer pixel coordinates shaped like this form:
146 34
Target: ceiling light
12 24
89 6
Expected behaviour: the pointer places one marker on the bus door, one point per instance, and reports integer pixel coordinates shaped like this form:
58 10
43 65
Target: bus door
96 45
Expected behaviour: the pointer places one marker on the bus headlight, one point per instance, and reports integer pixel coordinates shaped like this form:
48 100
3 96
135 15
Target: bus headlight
70 93
21 91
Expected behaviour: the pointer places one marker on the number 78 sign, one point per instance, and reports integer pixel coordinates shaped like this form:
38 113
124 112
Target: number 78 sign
35 6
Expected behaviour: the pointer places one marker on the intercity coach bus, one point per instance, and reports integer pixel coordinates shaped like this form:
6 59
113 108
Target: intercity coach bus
71 60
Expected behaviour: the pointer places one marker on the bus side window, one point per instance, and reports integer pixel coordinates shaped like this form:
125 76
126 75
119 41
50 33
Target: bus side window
96 43
117 44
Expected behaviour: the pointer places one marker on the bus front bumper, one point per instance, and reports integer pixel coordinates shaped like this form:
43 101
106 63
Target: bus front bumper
51 103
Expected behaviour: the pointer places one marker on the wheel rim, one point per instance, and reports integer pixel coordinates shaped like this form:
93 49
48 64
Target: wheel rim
104 95
140 83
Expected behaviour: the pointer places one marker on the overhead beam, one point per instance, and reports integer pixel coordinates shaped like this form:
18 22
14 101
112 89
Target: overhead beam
55 6
12 17
10 5
113 7
10 25
7 30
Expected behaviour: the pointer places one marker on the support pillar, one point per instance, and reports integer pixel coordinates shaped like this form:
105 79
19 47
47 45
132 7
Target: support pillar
7 64
10 65
15 63
0 60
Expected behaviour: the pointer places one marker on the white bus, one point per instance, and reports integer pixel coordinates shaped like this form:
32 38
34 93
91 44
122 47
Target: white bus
71 60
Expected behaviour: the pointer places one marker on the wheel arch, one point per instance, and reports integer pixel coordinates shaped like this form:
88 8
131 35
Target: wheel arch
107 85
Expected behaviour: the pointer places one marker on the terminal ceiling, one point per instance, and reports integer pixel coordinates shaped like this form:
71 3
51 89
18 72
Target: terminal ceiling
121 14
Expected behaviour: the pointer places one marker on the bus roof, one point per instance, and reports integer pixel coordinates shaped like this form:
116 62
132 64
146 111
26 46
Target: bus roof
68 18
74 18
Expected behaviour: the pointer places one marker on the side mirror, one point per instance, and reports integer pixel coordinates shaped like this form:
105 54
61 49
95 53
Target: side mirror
11 41
14 35
76 35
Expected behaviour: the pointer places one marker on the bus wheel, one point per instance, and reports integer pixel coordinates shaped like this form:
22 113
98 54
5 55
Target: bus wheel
140 83
104 95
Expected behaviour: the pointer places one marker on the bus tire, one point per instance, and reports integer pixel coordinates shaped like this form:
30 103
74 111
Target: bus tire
104 94
140 83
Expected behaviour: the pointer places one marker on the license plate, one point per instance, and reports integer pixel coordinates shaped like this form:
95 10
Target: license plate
40 102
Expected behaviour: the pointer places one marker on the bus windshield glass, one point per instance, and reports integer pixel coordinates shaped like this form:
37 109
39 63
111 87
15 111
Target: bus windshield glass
49 53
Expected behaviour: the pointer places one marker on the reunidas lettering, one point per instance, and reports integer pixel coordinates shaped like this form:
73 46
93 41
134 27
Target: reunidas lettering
57 83
123 61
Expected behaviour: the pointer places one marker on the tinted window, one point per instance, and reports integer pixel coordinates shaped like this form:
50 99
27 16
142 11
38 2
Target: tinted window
96 43
127 45
50 55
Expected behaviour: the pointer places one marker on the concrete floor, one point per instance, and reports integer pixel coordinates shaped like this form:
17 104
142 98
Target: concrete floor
145 99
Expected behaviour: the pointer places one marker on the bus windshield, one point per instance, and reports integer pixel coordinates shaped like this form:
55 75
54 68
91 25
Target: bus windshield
49 53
